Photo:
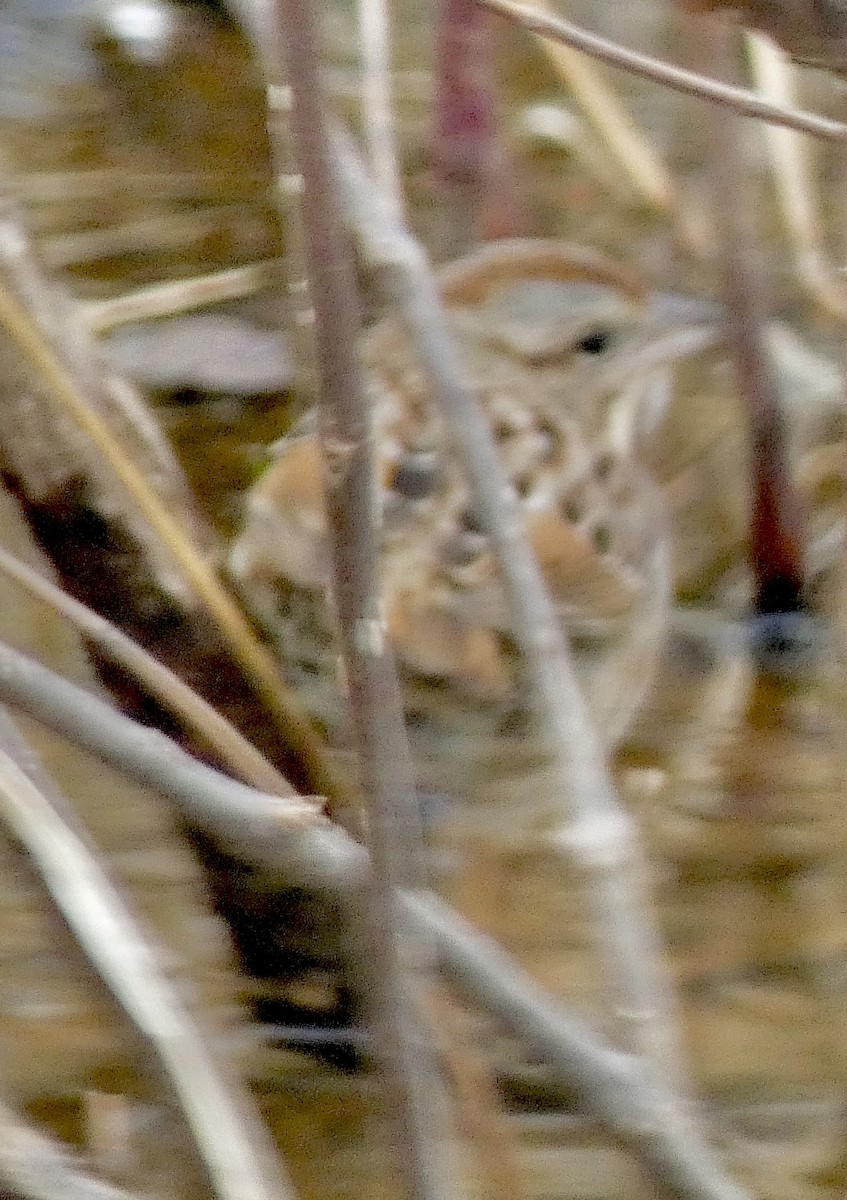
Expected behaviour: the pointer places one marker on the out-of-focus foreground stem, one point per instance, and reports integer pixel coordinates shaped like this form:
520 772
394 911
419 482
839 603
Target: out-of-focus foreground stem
258 828
384 762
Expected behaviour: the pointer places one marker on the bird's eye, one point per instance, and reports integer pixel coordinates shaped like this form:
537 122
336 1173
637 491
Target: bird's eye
416 476
596 342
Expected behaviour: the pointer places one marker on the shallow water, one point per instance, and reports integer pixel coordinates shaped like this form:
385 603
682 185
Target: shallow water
59 116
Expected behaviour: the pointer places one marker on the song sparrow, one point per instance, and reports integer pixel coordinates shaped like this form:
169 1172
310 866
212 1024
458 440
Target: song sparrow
558 346
555 344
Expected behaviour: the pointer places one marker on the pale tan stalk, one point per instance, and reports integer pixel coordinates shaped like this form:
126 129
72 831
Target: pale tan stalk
183 295
243 758
377 115
230 1139
201 577
613 1086
633 151
792 176
688 82
34 1167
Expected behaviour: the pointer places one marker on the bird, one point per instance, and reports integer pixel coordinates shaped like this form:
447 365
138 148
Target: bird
631 494
618 426
556 343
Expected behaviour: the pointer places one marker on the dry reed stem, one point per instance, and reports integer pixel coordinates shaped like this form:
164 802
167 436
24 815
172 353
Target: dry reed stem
57 361
50 187
257 824
633 151
289 189
256 18
230 1139
399 961
246 762
55 320
377 114
145 235
479 1107
589 822
613 1086
34 1166
183 295
789 159
688 82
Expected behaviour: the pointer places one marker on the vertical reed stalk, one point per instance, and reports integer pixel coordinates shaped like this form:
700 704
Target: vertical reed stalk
385 766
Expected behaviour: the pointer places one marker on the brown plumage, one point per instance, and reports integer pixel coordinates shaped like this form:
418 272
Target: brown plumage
541 328
554 342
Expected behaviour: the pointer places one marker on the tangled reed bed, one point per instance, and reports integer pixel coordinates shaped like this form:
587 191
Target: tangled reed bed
111 235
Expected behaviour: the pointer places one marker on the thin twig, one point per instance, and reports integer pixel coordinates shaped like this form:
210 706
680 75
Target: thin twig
148 235
632 149
34 1166
167 299
385 767
253 826
233 748
235 814
289 189
62 187
688 82
71 369
255 17
588 819
613 1086
230 1138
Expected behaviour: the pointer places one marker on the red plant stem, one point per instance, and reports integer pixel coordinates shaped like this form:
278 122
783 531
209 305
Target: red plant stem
469 159
776 541
465 117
